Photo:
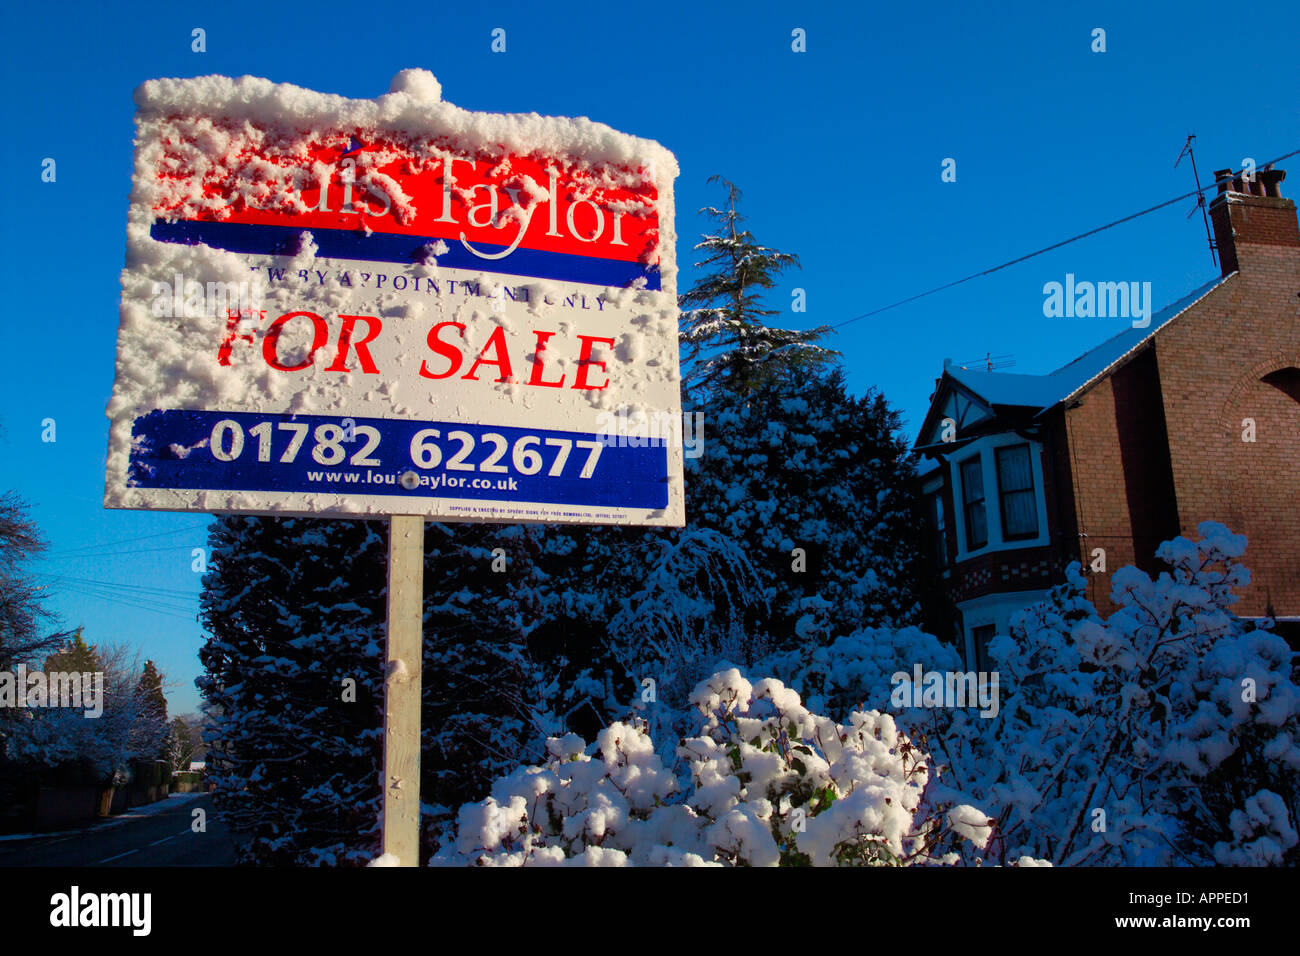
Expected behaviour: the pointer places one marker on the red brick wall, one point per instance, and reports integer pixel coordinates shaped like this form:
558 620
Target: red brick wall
1144 451
1100 496
1246 220
1211 360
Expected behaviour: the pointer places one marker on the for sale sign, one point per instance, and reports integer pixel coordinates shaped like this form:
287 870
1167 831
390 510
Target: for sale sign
394 306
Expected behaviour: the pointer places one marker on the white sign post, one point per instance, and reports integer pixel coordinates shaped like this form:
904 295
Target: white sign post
401 831
394 307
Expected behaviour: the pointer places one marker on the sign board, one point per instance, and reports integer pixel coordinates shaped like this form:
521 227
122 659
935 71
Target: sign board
394 306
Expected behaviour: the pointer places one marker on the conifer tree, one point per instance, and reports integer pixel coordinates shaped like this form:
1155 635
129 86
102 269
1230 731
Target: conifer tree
76 656
294 674
150 735
293 671
814 486
810 482
150 689
726 342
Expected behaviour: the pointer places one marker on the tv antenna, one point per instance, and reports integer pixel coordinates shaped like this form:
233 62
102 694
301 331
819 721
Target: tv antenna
990 362
1200 195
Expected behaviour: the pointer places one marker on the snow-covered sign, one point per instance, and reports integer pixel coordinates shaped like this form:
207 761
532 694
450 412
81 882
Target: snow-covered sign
394 306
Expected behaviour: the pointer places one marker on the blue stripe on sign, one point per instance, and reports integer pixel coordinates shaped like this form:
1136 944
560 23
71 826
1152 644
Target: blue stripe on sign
258 239
174 449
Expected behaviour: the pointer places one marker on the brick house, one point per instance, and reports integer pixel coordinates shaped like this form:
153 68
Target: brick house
1194 417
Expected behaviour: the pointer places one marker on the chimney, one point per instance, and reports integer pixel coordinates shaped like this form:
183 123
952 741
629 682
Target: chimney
1248 214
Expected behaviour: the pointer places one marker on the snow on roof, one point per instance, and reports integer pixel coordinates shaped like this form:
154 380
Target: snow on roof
1045 391
1005 388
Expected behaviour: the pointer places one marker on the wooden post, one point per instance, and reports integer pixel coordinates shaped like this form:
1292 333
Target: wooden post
402 688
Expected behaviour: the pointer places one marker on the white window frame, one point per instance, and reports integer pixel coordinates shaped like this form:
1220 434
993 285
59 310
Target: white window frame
985 447
932 484
995 609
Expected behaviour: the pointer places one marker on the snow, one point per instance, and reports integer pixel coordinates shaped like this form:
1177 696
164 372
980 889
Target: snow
414 105
1006 388
209 144
1063 384
858 788
1099 715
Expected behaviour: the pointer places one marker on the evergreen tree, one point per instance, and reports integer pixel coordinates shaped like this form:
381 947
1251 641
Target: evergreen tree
150 737
727 345
486 699
814 485
294 672
76 656
150 689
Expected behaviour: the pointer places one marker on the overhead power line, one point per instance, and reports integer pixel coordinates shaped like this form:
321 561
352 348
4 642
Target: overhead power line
114 554
165 610
1039 252
143 537
143 588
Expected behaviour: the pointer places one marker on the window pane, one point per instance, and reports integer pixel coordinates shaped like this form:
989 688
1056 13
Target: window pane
1014 471
980 637
1016 492
977 531
1020 514
972 480
939 541
972 490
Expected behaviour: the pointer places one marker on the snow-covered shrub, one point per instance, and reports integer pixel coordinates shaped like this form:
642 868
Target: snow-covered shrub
1168 733
102 747
854 671
767 783
1165 734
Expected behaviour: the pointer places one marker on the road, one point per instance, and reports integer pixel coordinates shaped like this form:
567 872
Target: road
154 835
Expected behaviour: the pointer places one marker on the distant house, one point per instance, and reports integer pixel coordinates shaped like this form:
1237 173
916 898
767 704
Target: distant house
1195 417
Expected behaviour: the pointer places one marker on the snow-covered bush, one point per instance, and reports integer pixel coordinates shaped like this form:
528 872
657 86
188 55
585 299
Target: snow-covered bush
767 783
1168 733
854 671
1157 736
102 747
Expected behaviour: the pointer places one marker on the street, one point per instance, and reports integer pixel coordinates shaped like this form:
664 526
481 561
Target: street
155 835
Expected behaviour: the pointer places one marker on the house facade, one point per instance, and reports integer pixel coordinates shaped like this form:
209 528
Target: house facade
1194 417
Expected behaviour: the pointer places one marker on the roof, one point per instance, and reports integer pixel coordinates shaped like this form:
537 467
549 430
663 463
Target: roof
1002 388
925 466
1045 391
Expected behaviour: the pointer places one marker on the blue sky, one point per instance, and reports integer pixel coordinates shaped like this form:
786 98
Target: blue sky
838 151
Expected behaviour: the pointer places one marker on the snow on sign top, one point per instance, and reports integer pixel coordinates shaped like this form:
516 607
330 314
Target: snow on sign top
394 306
